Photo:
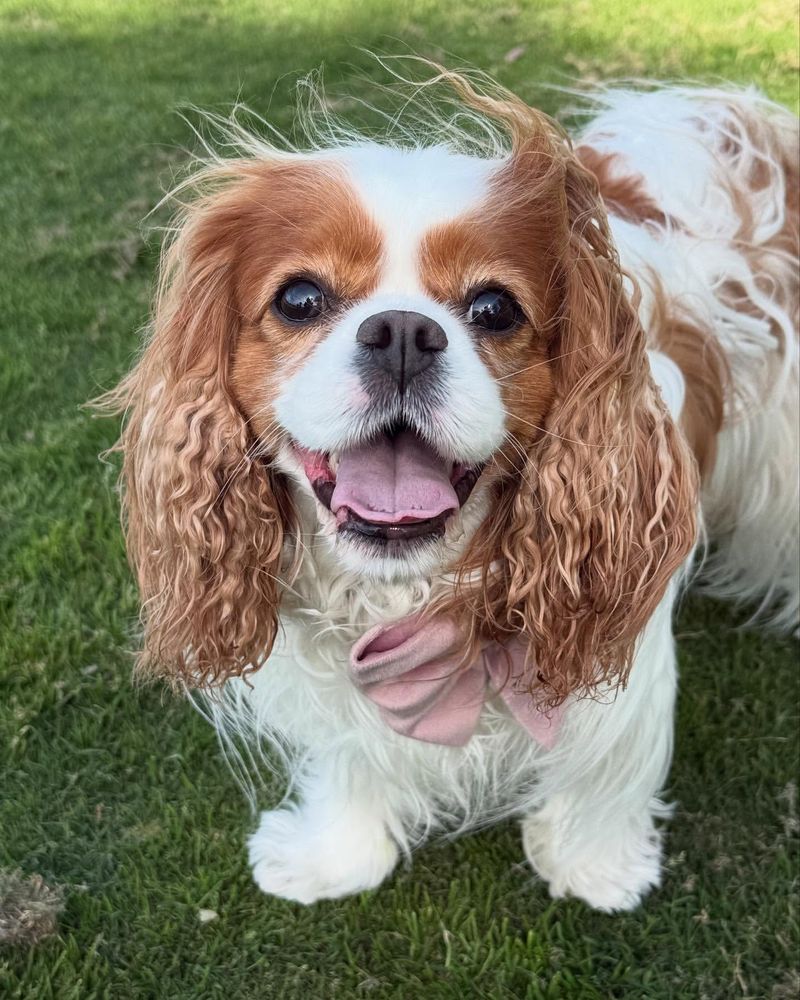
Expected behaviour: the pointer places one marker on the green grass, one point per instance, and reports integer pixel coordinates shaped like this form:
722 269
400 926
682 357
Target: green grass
120 796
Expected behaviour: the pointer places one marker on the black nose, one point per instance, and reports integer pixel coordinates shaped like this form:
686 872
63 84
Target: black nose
402 343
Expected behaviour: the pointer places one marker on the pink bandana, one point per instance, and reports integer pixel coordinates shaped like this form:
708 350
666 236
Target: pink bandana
411 672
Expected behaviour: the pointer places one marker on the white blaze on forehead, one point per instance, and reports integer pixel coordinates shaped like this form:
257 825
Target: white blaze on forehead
409 191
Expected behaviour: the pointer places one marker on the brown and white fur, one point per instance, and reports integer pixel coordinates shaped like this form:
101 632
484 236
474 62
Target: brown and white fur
647 397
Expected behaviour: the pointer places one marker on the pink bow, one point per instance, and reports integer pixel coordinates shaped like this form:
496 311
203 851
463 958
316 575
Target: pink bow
411 672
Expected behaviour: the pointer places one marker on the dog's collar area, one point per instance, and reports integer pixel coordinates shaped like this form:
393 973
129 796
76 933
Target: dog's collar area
412 671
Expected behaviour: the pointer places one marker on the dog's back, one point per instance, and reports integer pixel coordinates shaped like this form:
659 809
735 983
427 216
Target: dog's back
702 186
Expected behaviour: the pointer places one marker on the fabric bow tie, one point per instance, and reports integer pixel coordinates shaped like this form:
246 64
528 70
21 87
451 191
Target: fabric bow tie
411 671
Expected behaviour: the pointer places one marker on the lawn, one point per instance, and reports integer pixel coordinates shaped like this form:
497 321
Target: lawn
118 797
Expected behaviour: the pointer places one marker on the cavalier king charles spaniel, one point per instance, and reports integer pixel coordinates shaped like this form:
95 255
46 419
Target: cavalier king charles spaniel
423 443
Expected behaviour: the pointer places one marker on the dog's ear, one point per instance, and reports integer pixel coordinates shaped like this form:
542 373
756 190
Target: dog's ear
588 533
205 518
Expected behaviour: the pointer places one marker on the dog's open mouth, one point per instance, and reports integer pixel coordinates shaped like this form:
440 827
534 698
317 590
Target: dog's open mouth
395 487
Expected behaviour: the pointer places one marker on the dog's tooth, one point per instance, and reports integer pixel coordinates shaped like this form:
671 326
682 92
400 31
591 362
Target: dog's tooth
333 461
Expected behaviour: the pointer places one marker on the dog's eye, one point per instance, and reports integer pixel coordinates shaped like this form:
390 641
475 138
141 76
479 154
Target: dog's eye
494 311
300 301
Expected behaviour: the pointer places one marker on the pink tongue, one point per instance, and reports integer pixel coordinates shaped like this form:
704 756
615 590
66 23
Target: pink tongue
395 480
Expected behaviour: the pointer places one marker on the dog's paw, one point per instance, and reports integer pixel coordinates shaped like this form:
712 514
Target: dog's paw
611 875
296 859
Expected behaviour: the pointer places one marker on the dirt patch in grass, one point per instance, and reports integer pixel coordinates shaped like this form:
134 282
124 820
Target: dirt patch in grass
29 908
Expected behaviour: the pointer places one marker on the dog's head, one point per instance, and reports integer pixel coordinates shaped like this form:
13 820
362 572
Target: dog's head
431 359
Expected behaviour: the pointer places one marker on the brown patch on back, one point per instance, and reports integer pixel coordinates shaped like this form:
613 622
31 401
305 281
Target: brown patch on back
746 153
625 194
697 352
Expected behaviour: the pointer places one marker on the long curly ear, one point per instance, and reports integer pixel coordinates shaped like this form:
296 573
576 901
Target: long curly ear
586 537
205 518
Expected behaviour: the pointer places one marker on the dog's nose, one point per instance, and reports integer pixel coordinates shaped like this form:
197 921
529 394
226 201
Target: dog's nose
402 343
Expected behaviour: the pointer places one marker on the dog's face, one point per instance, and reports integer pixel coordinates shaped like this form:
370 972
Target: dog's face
430 359
393 351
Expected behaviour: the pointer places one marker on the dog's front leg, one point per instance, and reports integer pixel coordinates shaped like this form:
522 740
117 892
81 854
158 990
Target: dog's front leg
333 842
596 835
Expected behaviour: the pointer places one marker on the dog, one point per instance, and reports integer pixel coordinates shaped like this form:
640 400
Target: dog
427 438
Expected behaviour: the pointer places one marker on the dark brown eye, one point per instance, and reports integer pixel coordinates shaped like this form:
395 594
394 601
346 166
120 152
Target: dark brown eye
494 311
300 301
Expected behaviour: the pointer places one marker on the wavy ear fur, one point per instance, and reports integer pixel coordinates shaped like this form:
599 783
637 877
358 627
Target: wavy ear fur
205 518
586 536
613 512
